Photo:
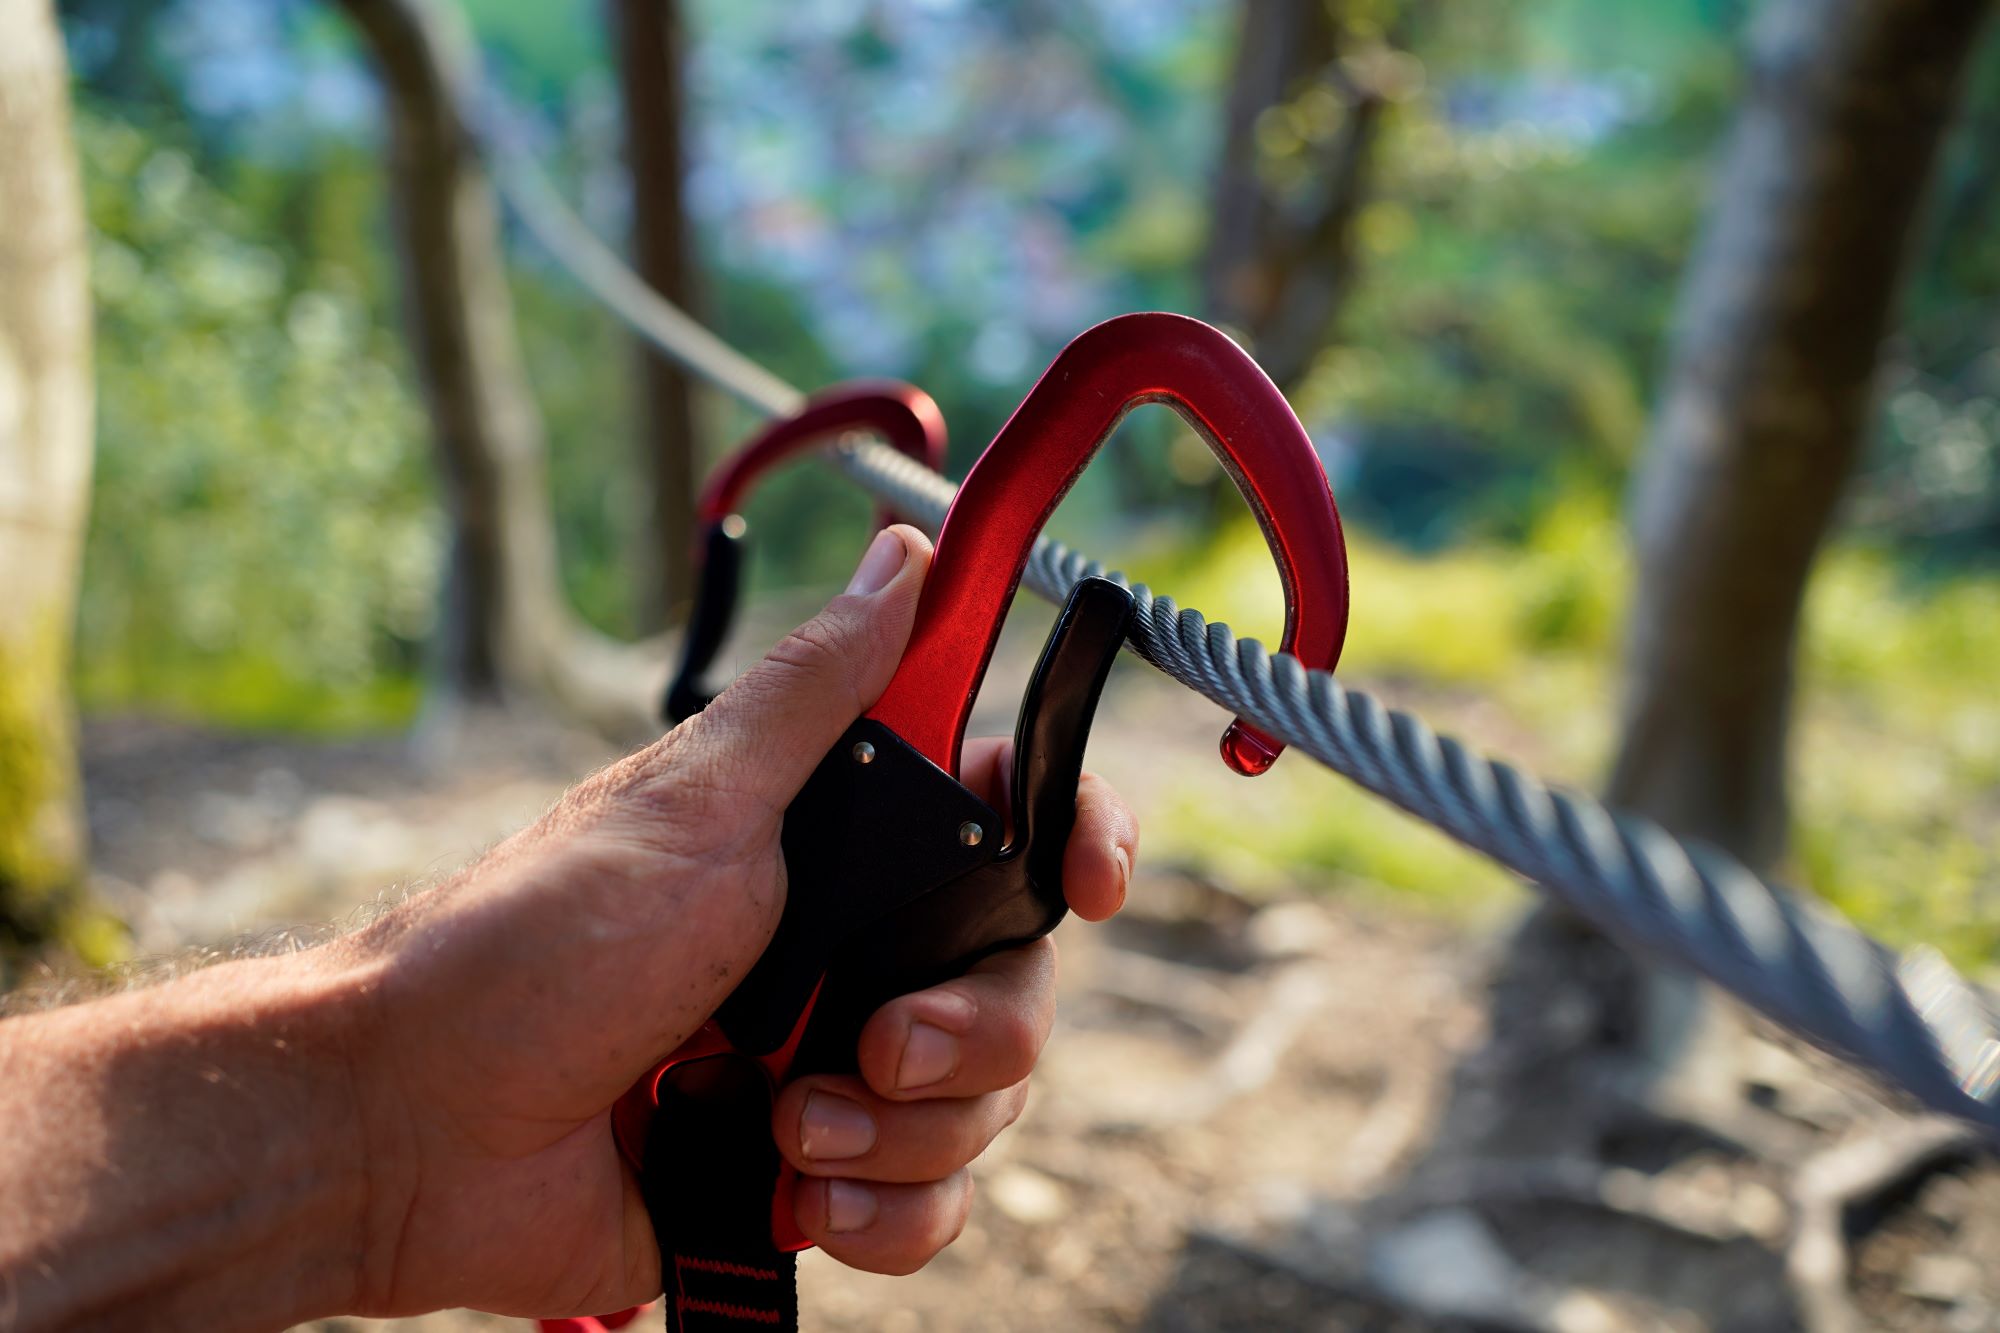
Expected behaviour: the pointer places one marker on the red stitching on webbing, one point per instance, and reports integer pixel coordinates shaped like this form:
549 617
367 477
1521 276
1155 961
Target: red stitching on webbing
750 1313
724 1268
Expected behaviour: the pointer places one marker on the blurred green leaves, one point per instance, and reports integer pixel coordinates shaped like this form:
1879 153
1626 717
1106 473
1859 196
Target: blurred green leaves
263 544
947 193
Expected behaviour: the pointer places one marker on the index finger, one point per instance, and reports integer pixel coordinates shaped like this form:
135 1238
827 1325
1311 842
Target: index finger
1103 844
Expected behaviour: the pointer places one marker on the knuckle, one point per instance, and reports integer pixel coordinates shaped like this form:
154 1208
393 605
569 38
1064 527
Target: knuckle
974 1125
942 1215
939 1153
928 1143
1018 1041
960 1208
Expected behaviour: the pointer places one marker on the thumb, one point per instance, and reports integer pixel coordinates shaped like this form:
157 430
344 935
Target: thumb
773 725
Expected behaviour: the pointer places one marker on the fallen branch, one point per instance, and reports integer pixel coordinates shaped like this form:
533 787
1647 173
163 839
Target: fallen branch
1833 1183
1251 1057
1176 990
1664 1202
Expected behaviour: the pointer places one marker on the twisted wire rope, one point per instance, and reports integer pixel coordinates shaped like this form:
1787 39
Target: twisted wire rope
1912 1019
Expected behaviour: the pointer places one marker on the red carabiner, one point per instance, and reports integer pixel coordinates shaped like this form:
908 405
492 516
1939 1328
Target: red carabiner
902 414
1017 483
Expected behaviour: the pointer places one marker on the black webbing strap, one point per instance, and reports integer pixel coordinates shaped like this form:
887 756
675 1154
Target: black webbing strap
710 1168
710 1172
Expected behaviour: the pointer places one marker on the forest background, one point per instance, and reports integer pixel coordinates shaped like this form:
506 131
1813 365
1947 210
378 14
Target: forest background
947 192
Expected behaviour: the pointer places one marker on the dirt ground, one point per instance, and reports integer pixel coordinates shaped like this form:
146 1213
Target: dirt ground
1231 1078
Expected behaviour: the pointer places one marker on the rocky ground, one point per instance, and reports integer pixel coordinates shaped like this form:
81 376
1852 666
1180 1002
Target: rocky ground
1236 1084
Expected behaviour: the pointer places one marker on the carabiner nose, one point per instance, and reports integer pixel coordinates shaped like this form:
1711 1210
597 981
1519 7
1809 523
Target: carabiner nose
1017 483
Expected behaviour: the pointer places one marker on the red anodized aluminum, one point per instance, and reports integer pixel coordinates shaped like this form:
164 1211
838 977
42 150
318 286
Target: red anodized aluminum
1017 483
902 414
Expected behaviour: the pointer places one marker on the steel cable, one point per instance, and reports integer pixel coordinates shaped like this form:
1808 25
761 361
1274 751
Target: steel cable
1912 1019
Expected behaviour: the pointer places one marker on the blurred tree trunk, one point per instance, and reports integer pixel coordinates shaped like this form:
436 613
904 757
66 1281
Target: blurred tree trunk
648 38
45 457
1767 405
1770 395
1289 187
506 627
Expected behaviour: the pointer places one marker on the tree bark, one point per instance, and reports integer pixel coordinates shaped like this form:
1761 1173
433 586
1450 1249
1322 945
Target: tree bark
1767 405
45 460
649 39
506 628
1770 396
1280 259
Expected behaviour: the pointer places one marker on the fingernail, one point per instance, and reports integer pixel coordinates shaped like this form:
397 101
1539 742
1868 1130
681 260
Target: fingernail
881 564
833 1129
849 1207
1124 859
929 1055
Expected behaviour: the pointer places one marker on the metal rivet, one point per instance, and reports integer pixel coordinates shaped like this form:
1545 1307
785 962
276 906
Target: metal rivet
863 752
734 526
970 833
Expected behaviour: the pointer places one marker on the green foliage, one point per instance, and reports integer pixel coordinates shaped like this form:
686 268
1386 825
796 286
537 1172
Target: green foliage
881 199
266 539
263 544
1899 758
1314 830
1469 616
1932 492
1517 261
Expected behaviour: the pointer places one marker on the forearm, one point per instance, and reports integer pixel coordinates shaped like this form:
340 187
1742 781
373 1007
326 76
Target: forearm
184 1155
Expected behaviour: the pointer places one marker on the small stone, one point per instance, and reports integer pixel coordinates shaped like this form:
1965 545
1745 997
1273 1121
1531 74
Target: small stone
1280 1202
1949 1198
1290 930
1446 1264
1069 1259
1027 1196
1942 1279
1761 1211
1972 1317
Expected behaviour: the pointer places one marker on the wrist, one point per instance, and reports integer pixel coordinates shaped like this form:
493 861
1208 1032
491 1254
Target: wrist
188 1151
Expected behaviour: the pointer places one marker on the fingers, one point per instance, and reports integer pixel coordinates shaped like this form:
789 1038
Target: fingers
893 1229
769 730
1097 864
1103 846
832 1125
976 1033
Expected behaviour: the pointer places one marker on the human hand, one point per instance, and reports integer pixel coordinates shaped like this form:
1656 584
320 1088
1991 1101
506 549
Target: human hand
512 1006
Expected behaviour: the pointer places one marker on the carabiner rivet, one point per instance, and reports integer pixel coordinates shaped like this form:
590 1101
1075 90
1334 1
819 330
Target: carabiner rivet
970 833
864 753
734 526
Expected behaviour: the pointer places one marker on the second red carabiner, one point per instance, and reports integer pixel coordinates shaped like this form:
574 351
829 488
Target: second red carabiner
902 414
